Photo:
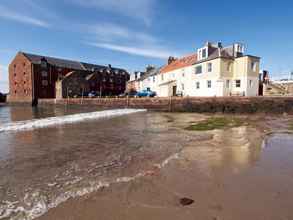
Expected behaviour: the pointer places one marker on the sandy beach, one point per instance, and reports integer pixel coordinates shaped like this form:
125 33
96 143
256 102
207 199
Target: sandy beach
231 174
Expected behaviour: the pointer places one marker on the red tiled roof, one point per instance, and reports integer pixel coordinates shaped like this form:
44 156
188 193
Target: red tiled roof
180 63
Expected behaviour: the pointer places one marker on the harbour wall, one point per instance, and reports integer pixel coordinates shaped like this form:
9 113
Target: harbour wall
188 104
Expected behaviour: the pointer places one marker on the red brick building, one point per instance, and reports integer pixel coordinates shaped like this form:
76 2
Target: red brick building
33 77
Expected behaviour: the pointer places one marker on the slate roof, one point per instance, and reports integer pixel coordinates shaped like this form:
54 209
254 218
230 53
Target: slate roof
64 63
192 59
153 72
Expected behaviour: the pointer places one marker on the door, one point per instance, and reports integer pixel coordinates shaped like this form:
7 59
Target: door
174 90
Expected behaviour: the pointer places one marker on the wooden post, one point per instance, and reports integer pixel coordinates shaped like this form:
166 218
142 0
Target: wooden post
170 104
82 95
127 101
67 95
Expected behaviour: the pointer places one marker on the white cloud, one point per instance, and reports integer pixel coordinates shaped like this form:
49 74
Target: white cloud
160 53
15 16
113 32
139 9
3 78
122 39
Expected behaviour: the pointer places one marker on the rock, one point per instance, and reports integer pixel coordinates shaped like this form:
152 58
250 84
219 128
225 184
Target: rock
186 201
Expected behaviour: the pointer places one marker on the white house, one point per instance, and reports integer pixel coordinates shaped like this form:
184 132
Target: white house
212 71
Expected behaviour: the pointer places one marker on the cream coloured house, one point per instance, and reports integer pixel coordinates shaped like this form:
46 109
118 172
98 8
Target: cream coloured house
213 70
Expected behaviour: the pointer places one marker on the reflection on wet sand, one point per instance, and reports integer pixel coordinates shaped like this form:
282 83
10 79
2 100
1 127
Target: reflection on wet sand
142 166
229 174
237 148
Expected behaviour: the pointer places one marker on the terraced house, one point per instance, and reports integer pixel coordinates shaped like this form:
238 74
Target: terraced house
213 70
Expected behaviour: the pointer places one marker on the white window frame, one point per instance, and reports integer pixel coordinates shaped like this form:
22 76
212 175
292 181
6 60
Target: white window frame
253 66
196 69
197 85
227 83
229 66
238 85
210 67
209 84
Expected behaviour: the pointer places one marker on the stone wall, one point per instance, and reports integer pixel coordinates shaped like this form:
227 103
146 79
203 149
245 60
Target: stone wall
201 105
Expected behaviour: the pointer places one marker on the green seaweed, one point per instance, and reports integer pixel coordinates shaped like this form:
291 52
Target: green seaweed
216 123
290 127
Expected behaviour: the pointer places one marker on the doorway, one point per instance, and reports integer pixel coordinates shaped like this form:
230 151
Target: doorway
174 90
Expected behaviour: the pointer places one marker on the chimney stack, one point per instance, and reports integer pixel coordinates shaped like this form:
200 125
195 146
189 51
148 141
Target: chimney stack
171 60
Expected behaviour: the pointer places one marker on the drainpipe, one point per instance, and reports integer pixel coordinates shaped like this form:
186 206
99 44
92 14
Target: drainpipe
34 98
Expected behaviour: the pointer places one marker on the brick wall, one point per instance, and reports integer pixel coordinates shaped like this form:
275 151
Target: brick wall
201 105
20 79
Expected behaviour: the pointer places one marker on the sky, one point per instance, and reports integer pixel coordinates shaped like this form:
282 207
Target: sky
134 33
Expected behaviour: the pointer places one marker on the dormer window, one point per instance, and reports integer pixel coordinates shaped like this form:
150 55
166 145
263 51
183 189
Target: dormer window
44 63
202 53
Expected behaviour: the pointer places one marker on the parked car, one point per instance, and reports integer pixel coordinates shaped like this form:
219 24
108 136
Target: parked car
92 94
130 94
146 93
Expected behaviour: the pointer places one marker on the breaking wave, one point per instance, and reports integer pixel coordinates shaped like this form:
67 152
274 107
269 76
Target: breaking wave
68 119
39 204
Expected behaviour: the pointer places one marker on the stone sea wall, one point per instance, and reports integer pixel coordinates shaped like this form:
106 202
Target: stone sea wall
188 104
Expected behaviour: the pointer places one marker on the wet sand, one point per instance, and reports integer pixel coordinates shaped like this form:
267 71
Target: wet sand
231 174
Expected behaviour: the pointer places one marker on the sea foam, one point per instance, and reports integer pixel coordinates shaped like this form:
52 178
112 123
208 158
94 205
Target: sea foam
68 119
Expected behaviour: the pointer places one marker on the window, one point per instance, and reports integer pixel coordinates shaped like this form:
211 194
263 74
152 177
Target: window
229 67
44 74
210 67
154 79
250 83
43 64
198 70
45 82
204 53
197 85
238 83
183 73
209 84
228 83
182 86
162 77
253 66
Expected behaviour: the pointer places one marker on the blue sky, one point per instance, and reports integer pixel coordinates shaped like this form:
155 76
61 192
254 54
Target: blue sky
133 33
